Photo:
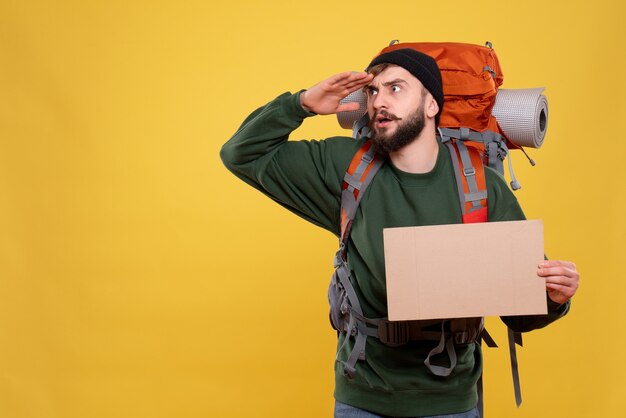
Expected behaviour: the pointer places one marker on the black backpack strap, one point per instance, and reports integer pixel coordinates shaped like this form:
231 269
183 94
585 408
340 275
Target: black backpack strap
515 338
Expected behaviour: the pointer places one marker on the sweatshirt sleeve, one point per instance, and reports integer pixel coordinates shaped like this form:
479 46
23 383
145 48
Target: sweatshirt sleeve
303 176
508 209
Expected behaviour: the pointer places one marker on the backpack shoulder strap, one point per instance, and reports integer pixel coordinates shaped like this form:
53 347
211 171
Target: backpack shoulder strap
470 180
362 169
472 188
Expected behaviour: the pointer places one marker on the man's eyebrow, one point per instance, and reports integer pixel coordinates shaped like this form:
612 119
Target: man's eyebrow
386 84
392 82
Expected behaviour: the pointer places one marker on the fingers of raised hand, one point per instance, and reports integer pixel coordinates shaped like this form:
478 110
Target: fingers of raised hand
346 107
325 97
349 81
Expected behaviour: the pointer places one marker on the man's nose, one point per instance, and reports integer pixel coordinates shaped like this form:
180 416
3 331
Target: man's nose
379 101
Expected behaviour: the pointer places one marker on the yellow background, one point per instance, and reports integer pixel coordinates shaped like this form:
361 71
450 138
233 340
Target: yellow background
138 278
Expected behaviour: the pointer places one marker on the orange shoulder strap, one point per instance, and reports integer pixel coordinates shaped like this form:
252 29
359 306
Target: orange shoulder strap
364 166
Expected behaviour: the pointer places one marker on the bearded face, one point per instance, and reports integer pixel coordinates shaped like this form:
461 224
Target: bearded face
386 139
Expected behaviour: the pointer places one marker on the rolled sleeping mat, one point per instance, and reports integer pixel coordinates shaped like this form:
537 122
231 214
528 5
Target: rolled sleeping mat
347 119
521 113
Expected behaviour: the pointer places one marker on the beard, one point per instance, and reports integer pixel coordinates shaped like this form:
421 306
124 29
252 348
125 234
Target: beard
406 131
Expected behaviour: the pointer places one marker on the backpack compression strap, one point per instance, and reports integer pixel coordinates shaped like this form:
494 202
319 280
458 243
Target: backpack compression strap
495 148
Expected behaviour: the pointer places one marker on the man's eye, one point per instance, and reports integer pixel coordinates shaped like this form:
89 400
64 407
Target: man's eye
395 88
372 92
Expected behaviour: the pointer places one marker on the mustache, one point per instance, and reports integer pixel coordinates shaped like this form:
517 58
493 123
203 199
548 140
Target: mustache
384 114
387 115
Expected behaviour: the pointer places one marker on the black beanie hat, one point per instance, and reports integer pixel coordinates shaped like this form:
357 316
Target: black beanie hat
422 66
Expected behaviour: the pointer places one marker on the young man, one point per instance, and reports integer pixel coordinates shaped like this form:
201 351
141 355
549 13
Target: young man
415 187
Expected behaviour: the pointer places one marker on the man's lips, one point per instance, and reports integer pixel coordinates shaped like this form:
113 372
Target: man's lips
384 118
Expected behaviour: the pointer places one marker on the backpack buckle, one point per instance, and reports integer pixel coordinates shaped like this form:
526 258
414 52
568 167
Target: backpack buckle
469 171
367 157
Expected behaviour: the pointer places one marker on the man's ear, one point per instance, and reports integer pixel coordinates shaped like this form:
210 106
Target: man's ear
432 107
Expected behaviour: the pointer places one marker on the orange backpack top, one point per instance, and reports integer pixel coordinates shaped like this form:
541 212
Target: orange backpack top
471 76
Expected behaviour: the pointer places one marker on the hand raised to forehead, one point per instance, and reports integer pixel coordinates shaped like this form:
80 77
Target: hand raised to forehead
325 97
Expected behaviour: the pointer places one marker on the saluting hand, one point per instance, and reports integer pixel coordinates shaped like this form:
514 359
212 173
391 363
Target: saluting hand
324 98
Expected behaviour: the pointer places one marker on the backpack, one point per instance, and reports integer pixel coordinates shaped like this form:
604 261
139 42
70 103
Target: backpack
471 76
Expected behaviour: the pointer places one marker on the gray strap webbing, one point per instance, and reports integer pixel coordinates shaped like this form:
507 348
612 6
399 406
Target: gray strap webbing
448 344
515 337
475 197
490 70
358 350
353 180
495 147
370 176
443 137
348 334
492 152
470 174
466 133
515 185
457 175
358 125
342 272
348 202
371 321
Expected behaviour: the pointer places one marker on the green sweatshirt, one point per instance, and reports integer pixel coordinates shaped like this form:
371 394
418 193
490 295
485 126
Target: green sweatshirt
306 177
